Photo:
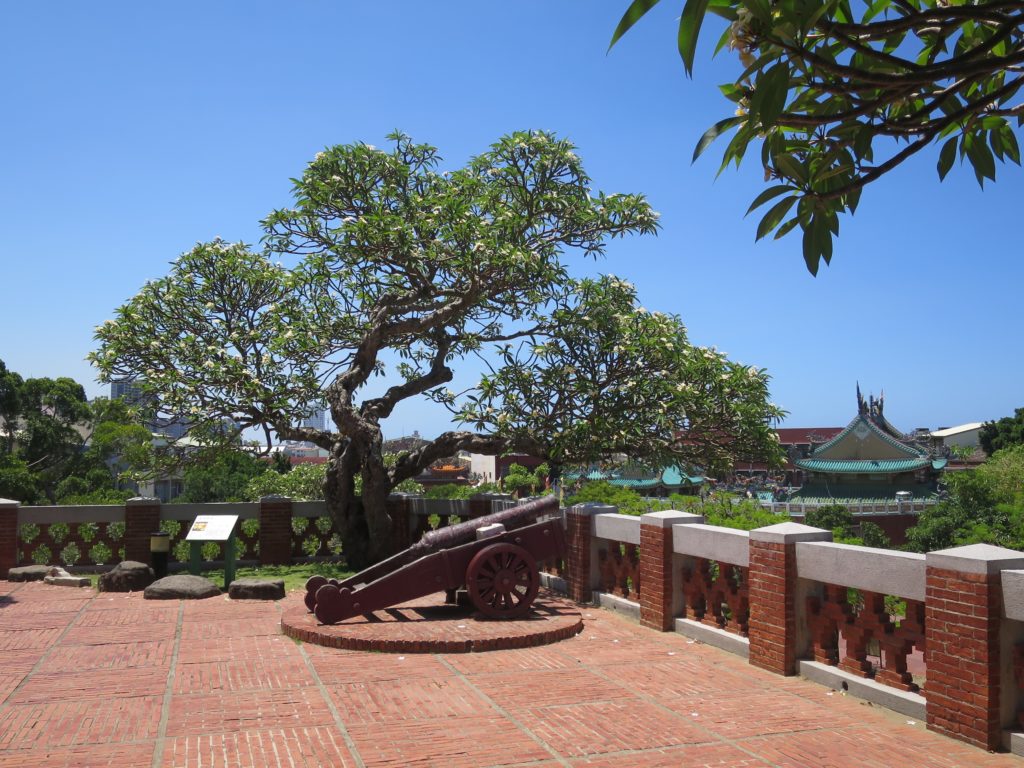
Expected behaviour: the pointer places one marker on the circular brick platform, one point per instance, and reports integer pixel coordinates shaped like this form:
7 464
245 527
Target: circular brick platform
428 625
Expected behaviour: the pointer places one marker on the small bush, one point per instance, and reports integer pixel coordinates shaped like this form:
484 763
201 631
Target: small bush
100 553
211 550
41 555
87 531
171 527
179 551
71 554
59 532
299 525
324 525
28 532
311 546
251 526
115 531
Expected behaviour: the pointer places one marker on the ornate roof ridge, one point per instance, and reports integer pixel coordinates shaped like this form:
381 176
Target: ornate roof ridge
885 436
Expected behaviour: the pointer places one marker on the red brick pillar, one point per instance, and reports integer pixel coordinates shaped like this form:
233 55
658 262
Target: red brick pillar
971 693
581 561
777 633
141 520
8 535
660 595
275 530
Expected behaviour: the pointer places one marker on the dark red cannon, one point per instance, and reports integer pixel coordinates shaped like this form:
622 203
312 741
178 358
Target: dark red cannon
494 558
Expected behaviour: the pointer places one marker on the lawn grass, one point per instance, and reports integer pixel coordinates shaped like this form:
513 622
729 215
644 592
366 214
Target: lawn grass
294 575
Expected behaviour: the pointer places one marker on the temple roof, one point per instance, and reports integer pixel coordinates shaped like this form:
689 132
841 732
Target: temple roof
864 466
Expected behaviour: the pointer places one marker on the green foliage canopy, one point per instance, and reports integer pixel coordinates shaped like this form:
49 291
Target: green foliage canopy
1004 433
840 92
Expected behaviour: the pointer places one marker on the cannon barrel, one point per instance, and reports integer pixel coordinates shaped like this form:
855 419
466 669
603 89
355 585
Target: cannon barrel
465 532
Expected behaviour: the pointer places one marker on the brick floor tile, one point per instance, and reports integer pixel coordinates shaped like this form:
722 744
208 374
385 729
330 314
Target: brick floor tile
93 684
92 756
28 639
229 648
37 620
193 629
159 613
365 667
246 674
760 712
131 633
22 661
421 698
672 679
223 609
598 645
546 688
868 747
8 682
60 723
111 656
520 660
300 747
692 756
242 710
589 729
472 742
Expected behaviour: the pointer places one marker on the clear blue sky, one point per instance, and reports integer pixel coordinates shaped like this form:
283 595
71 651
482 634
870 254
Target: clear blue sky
133 130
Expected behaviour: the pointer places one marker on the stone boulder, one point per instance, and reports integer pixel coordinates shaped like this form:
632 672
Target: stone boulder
256 589
126 576
181 587
59 577
28 573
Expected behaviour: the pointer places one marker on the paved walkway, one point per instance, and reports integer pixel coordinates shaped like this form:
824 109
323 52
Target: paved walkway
96 680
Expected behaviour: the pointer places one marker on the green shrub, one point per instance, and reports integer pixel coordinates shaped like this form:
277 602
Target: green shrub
335 545
41 555
450 491
100 553
299 525
28 532
211 550
87 531
602 492
311 545
59 532
71 554
324 525
179 551
250 526
171 527
115 531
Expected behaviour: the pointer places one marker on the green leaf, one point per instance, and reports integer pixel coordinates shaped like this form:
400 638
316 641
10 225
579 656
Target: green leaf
633 14
1010 146
982 161
790 167
689 30
775 215
946 158
713 133
787 227
812 255
770 93
769 194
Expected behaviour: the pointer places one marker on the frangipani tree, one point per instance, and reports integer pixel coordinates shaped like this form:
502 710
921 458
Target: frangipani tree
393 260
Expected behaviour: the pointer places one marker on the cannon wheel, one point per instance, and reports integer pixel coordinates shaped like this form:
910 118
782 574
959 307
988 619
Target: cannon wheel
502 581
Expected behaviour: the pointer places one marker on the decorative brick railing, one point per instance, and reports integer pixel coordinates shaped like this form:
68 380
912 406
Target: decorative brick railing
617 542
851 610
857 618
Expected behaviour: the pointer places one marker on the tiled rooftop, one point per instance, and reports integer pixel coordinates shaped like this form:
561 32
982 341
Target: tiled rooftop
98 679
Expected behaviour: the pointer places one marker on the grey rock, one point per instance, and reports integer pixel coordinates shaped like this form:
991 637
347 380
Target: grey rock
68 581
181 587
256 589
126 576
28 573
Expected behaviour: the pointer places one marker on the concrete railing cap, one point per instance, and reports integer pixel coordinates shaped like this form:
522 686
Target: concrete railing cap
594 508
669 517
9 503
976 558
789 533
142 501
275 497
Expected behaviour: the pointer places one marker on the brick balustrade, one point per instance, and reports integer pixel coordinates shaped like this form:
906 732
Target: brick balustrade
765 592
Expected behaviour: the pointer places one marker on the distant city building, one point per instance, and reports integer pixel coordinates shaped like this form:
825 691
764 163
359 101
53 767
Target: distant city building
128 390
317 419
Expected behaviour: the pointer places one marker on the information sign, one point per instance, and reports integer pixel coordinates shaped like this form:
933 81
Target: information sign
212 528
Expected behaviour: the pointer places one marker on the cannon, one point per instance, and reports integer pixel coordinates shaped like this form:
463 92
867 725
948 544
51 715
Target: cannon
494 558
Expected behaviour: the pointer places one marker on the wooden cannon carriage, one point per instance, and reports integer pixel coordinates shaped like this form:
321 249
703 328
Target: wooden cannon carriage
494 558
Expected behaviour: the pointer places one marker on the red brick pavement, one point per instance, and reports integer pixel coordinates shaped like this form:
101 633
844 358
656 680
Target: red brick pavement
99 680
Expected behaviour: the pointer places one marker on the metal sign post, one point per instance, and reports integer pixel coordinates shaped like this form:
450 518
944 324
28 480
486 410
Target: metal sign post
220 528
